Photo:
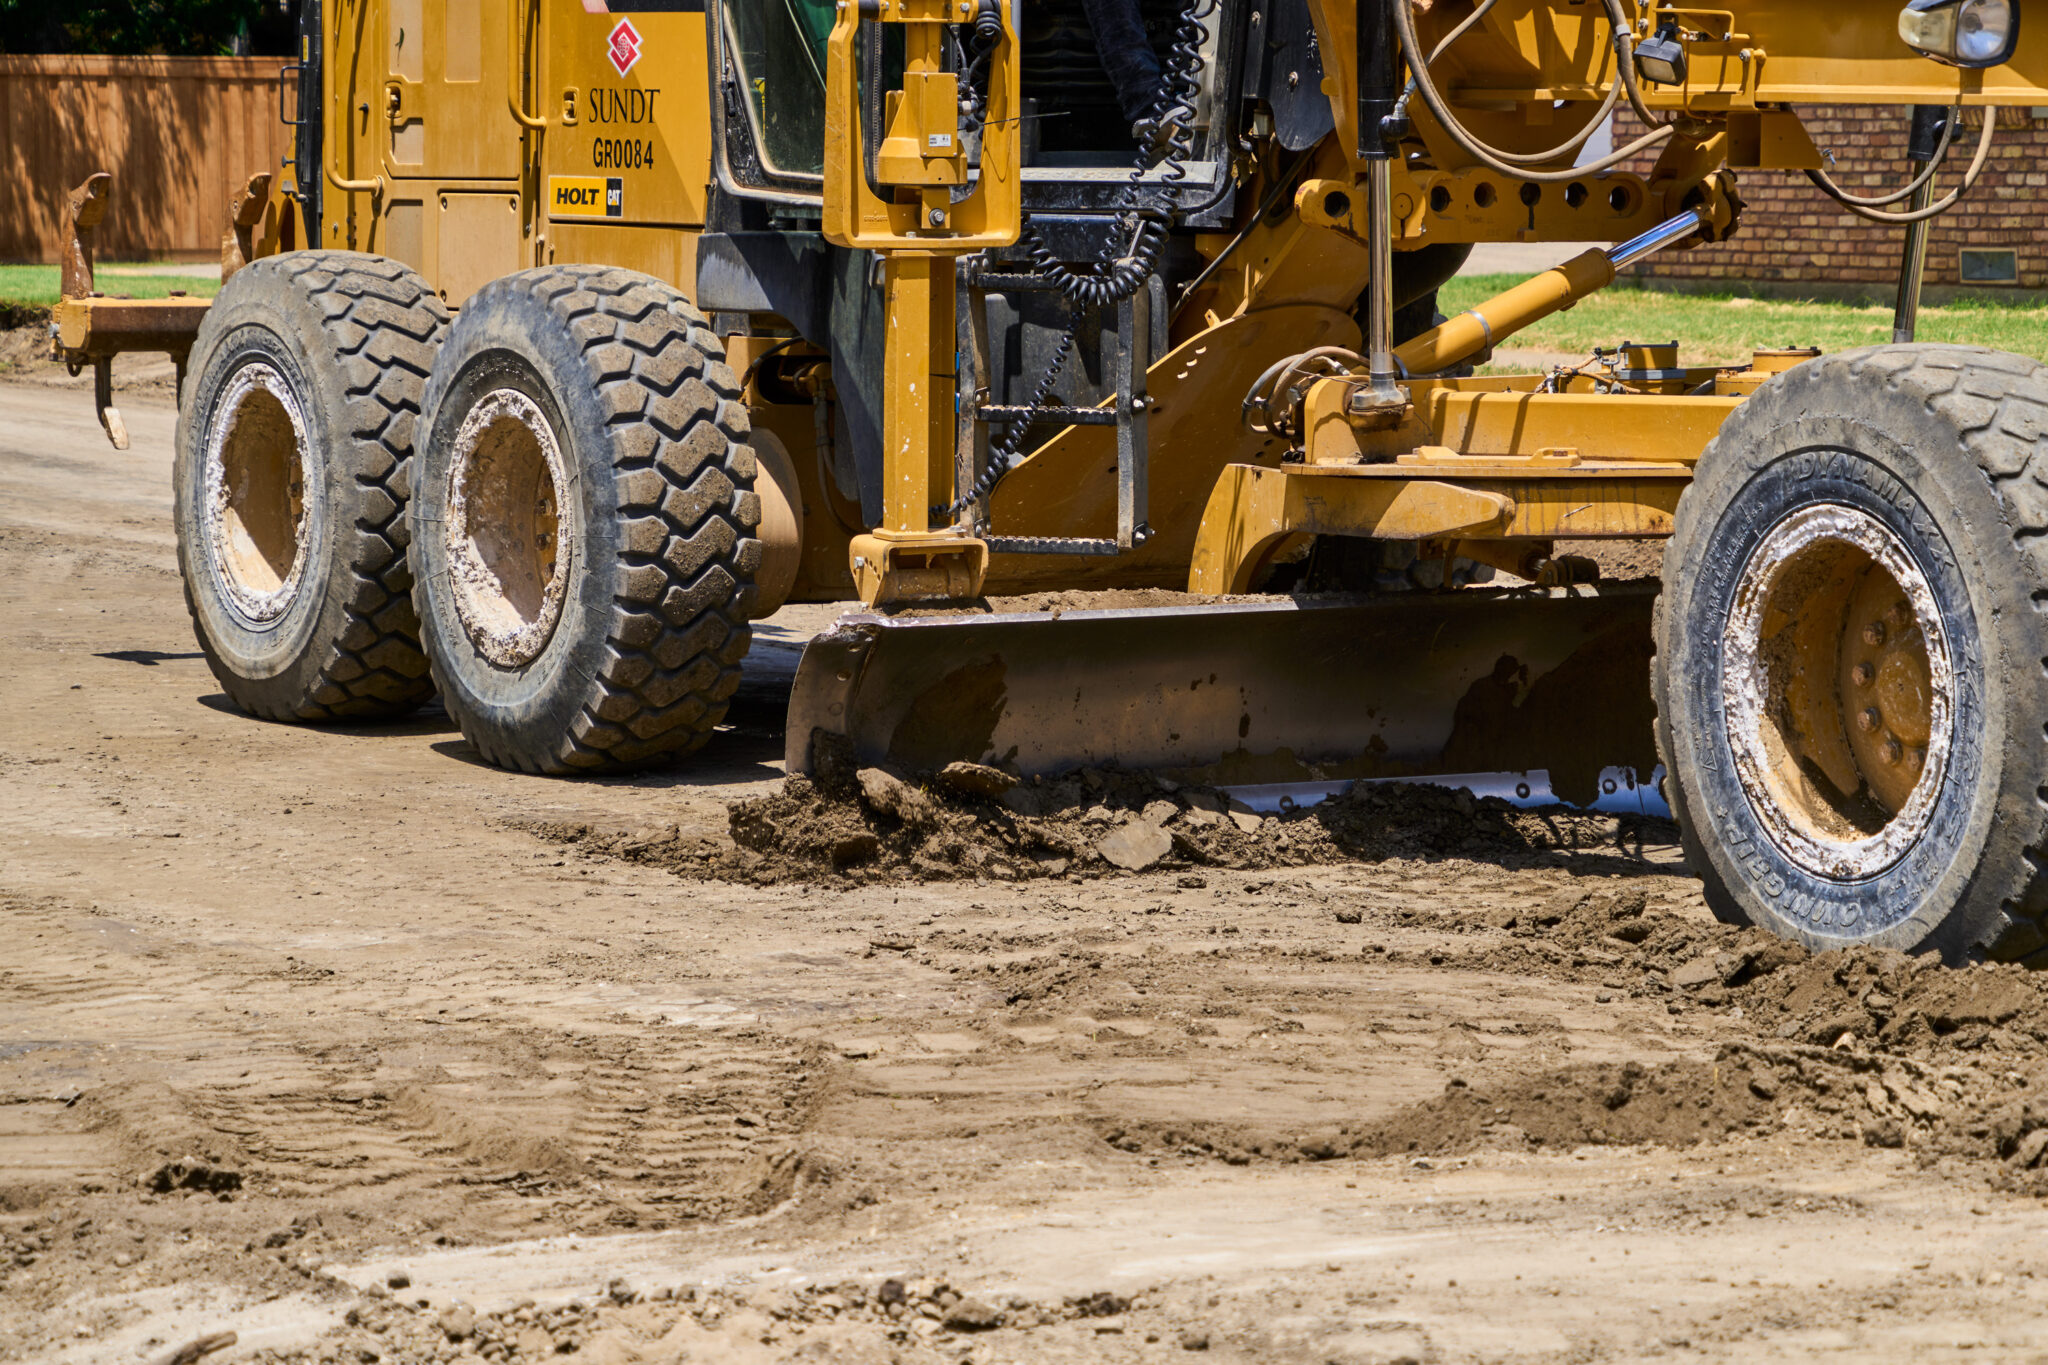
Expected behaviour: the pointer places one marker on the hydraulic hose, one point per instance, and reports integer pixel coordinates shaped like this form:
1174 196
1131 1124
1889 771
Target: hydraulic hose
1493 157
1862 209
1934 164
1571 144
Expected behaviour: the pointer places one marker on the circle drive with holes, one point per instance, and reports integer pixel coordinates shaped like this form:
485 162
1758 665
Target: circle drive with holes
253 509
1843 785
506 540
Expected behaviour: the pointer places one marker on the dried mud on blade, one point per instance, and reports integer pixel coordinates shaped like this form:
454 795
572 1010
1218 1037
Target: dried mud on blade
1309 689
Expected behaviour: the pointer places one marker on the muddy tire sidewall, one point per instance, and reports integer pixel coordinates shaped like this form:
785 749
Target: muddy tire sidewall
278 654
1834 436
530 356
346 340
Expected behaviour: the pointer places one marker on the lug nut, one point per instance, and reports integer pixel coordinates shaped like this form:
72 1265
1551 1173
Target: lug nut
1900 615
1873 634
1864 675
1919 756
1867 720
1893 750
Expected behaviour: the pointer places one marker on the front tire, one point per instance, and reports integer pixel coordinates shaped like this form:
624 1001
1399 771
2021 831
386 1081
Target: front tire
584 522
1850 655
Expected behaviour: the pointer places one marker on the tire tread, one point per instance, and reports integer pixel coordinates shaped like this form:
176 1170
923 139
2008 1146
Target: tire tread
383 324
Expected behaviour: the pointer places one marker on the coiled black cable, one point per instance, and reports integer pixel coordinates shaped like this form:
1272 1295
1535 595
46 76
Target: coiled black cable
1165 141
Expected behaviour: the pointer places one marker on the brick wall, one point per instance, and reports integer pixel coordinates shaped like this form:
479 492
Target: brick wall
1794 236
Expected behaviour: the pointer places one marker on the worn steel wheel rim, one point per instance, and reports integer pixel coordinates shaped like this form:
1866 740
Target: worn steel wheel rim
1839 691
253 465
508 543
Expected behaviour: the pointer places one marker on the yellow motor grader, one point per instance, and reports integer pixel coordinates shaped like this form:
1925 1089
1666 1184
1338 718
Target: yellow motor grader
577 335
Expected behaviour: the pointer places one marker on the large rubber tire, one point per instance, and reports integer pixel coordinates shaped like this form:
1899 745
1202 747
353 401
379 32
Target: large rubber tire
584 523
294 437
1768 634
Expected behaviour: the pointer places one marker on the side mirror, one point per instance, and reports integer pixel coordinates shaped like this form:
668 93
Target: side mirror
1966 33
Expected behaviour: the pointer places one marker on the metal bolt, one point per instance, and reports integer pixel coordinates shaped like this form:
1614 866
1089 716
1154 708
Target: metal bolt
1920 757
1893 750
1864 675
1900 615
1867 720
1873 634
938 217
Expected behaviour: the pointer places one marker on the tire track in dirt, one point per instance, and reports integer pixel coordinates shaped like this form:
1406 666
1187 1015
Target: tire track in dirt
306 1085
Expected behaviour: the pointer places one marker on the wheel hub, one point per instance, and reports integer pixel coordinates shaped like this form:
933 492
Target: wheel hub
254 513
508 544
1839 691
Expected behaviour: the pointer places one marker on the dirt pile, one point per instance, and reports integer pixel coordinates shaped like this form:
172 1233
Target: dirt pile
1864 1044
1912 1006
968 821
24 336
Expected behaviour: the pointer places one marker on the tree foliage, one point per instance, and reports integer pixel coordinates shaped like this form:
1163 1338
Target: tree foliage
188 28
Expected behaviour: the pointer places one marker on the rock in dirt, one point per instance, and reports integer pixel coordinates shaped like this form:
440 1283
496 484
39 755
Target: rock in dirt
457 1321
973 779
1697 972
193 1174
886 794
972 1315
1136 846
193 1351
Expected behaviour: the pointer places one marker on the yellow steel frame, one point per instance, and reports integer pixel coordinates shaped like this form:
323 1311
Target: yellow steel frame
1575 463
921 229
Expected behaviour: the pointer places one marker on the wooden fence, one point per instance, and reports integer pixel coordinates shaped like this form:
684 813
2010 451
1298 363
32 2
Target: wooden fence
179 134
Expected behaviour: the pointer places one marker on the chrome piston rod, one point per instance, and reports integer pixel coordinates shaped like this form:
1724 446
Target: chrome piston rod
1478 330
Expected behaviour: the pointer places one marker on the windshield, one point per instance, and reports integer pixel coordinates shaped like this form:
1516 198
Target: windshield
779 47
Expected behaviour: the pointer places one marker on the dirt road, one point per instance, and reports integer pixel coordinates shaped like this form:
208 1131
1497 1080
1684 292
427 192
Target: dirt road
348 1044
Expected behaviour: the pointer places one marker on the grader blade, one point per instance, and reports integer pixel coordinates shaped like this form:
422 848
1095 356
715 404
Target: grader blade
1314 690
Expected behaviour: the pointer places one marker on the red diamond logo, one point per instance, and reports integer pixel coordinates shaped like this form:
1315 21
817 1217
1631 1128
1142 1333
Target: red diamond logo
623 47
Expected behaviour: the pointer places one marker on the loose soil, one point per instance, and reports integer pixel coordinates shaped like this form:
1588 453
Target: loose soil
847 828
346 1043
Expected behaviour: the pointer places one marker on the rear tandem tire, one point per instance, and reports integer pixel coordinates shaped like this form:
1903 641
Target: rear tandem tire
294 437
1850 677
584 525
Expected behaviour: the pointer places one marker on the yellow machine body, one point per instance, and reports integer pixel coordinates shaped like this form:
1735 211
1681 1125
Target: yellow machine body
473 138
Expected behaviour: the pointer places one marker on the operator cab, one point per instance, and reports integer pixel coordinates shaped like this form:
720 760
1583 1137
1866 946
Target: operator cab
1081 97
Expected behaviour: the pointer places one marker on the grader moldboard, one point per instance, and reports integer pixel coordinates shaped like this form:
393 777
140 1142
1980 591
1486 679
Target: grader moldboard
575 339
